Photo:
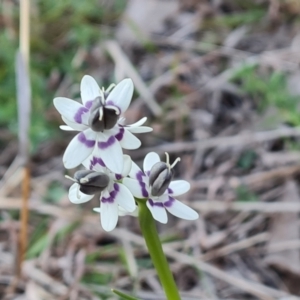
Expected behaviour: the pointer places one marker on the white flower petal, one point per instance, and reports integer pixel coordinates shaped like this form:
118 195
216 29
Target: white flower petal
141 129
138 123
116 130
158 211
124 198
123 212
137 188
87 162
94 163
127 163
121 121
129 141
164 197
178 187
79 148
121 95
136 127
180 210
135 170
74 125
76 196
66 128
109 150
72 110
109 215
89 89
150 160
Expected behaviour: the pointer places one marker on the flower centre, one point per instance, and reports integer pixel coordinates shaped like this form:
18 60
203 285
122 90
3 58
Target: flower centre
160 176
102 116
91 182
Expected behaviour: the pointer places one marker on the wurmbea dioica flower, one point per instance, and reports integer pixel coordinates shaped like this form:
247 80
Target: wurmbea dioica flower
121 211
156 186
115 198
102 131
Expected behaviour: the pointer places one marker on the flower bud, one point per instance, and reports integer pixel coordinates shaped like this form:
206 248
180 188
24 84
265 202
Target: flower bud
160 178
91 182
102 117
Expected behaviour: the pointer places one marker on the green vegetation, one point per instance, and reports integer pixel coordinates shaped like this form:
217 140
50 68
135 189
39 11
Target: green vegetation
94 277
246 160
269 90
239 19
40 237
58 31
55 192
245 195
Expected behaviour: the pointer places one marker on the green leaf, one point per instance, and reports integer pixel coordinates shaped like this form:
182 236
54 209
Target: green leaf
123 296
38 247
95 277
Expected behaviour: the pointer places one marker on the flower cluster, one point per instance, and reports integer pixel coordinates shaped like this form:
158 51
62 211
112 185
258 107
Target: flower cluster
109 174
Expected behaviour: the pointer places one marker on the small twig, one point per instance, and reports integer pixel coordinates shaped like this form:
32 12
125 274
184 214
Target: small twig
122 60
201 206
282 246
24 107
270 207
24 215
37 275
25 29
259 290
12 177
227 141
258 180
233 247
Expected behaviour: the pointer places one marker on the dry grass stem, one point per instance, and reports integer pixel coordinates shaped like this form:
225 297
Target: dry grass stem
122 62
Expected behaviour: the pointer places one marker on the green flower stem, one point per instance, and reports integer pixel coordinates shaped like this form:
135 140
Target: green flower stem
159 260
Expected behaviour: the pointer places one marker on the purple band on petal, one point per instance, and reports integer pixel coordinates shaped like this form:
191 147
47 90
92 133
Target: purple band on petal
88 143
152 203
78 116
170 191
169 202
88 104
95 161
139 177
112 195
120 134
118 176
108 143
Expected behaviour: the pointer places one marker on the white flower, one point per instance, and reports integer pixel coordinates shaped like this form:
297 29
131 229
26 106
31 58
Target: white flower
114 197
156 186
102 133
121 211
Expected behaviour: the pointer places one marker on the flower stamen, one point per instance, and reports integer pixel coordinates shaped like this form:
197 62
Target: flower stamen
78 192
116 109
167 158
168 161
102 96
175 162
69 177
100 113
107 91
84 180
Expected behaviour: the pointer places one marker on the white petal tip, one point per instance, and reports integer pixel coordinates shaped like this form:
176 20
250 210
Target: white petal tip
194 217
69 165
66 128
109 227
127 81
